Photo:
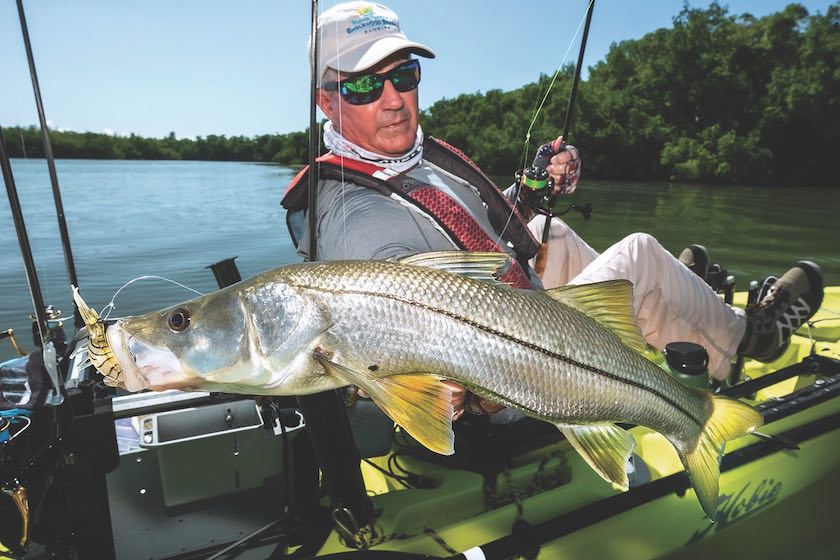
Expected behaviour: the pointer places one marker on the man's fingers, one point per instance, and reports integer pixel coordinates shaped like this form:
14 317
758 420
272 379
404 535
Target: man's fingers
564 168
459 393
564 157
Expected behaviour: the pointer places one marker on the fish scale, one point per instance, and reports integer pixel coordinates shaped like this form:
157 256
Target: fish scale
570 356
493 366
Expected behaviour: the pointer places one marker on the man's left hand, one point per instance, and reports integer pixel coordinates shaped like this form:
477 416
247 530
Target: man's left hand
564 167
459 394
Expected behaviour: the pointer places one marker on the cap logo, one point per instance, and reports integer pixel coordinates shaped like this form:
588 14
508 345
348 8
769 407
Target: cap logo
368 22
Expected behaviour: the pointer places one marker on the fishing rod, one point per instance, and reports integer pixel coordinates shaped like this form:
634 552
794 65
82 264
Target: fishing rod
535 179
567 121
23 239
48 153
312 207
41 320
326 418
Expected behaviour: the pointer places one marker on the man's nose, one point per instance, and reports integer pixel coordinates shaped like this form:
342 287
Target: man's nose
391 98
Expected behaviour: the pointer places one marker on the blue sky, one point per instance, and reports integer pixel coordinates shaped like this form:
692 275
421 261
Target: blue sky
199 67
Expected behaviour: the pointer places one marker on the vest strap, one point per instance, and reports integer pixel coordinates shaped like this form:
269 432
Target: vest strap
503 214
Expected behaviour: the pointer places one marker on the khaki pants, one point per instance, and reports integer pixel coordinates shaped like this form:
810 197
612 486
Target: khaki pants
671 302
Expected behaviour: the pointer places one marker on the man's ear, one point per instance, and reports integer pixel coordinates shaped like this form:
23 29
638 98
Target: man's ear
323 99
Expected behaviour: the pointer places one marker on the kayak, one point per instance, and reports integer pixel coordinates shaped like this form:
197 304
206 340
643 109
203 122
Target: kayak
777 490
147 465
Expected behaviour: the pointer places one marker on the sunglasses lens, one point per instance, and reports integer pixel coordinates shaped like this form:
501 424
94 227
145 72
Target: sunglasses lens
362 90
406 77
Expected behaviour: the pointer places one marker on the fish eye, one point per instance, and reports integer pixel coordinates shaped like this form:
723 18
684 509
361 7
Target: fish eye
179 320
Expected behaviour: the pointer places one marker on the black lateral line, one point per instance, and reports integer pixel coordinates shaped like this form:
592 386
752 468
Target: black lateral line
513 339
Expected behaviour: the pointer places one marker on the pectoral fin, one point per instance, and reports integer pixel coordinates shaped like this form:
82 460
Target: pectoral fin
606 448
419 403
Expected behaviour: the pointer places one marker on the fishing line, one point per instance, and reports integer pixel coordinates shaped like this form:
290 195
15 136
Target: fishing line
538 110
13 90
13 52
551 84
106 311
321 135
343 182
22 144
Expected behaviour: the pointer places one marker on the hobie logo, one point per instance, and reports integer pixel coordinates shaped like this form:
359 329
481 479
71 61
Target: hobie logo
369 21
734 507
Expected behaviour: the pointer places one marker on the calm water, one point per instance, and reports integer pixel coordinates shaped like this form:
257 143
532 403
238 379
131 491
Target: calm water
171 219
128 219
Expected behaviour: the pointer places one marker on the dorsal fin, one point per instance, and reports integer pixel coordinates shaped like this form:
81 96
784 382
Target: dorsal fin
484 266
610 303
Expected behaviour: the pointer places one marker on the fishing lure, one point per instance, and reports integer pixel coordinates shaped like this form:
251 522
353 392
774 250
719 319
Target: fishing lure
99 351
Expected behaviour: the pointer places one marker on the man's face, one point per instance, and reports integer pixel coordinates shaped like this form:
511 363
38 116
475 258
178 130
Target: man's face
387 126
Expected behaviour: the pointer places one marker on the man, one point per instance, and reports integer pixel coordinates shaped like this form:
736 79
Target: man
386 190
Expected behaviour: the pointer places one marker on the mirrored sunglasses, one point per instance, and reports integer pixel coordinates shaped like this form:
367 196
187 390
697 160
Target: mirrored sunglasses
361 90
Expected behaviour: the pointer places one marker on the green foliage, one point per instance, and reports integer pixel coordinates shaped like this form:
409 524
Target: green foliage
284 148
716 97
717 157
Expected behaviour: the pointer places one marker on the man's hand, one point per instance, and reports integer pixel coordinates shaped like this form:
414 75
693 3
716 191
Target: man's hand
564 167
463 400
476 404
459 394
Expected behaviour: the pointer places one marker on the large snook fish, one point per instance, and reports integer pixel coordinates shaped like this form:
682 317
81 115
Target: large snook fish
570 356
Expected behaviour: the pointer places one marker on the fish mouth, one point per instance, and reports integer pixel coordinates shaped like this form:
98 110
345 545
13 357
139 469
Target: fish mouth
145 366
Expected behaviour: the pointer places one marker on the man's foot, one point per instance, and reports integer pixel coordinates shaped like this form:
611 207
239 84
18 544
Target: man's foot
784 304
696 258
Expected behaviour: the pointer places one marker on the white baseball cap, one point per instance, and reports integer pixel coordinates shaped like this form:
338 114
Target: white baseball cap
357 35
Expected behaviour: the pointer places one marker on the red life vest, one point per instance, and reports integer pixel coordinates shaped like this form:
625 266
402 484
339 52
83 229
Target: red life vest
437 206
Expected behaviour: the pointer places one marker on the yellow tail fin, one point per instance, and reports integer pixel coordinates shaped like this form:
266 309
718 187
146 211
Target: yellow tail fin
729 419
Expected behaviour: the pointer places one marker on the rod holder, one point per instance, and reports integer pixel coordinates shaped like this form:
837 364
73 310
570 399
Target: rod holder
225 272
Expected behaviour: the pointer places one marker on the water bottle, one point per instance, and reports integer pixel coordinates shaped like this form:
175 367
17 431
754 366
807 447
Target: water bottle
688 362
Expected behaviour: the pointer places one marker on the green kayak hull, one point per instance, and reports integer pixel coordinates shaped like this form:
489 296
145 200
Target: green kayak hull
777 495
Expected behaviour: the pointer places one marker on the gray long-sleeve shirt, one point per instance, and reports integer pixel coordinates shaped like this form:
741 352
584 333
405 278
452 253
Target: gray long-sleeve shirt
360 223
356 222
